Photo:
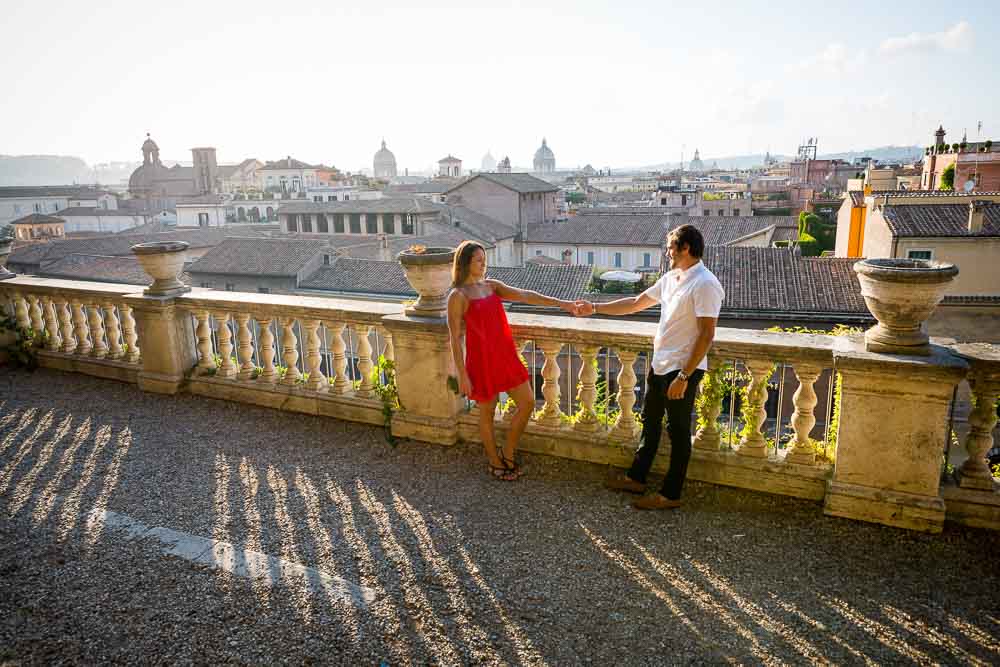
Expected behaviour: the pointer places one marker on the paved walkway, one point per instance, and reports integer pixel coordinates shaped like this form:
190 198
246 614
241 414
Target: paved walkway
442 563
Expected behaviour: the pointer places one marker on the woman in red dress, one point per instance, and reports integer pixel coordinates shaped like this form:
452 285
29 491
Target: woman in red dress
491 364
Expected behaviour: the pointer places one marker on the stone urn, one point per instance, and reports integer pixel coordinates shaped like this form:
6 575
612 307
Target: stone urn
5 246
902 294
163 261
428 271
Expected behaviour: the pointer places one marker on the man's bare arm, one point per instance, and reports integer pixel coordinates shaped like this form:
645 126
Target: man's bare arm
706 334
626 306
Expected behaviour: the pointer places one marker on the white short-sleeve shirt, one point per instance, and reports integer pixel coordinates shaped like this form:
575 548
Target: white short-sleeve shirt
684 296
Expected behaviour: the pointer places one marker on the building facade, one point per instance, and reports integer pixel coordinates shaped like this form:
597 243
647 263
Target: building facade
287 176
450 167
17 202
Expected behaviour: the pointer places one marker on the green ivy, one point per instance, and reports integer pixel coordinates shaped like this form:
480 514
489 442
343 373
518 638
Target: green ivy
22 353
387 392
828 451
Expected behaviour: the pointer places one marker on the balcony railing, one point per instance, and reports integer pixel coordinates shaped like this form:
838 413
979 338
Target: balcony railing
316 355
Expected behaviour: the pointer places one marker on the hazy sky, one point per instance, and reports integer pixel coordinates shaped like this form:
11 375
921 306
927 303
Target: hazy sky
619 84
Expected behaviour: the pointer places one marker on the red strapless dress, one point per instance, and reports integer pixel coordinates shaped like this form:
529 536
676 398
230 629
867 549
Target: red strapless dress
491 357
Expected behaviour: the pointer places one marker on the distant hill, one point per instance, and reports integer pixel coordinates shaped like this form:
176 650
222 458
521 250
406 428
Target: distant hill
882 154
43 170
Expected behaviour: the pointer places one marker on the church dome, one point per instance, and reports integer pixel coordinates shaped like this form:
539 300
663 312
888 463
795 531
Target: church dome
384 163
489 162
545 159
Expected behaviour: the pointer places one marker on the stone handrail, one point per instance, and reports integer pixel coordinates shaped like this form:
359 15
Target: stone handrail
78 322
316 355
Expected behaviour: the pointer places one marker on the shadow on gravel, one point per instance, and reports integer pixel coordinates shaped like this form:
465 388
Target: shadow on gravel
550 570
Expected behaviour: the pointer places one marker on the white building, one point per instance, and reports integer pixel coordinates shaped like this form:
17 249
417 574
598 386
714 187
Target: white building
288 175
340 193
242 177
17 202
96 219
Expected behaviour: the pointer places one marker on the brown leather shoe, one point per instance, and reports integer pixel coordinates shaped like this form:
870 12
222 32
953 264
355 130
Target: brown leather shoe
624 483
654 501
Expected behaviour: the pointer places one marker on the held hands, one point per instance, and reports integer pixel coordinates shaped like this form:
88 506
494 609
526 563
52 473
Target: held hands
579 308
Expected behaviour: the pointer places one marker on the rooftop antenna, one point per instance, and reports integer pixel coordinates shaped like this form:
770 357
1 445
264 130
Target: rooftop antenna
979 132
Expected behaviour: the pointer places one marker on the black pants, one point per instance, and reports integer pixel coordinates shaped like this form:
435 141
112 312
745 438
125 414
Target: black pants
678 426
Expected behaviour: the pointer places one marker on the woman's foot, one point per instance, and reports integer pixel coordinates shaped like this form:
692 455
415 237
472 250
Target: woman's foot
502 472
512 466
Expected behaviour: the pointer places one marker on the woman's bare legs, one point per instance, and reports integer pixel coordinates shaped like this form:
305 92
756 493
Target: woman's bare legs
525 401
486 411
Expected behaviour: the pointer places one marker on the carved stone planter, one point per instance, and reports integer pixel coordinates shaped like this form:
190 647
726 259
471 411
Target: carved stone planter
163 261
902 294
5 246
429 273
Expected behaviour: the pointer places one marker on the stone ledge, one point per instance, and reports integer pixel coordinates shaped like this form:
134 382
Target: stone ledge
723 467
109 369
972 507
891 508
289 399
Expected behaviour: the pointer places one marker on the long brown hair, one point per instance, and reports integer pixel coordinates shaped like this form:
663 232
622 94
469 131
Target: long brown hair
463 257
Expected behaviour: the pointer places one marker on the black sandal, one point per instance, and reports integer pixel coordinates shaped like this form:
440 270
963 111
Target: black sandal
502 473
512 467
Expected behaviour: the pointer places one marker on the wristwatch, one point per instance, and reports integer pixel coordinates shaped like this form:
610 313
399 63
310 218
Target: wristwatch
681 375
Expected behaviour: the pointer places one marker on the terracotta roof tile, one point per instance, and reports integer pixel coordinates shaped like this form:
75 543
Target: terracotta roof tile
925 220
374 277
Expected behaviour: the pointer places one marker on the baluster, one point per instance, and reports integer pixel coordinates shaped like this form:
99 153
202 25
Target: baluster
626 427
21 311
289 351
365 364
227 369
100 347
65 314
335 330
753 443
388 351
268 373
975 473
111 323
709 406
804 417
206 360
314 360
54 341
551 412
83 345
35 314
244 346
586 419
131 337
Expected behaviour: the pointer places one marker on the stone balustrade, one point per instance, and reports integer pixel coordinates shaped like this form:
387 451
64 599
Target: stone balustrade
80 326
306 354
316 355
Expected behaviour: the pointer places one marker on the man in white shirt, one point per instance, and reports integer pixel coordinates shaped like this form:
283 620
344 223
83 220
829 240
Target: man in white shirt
690 298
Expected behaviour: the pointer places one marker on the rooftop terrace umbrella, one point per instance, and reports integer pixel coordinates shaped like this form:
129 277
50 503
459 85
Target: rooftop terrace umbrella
621 276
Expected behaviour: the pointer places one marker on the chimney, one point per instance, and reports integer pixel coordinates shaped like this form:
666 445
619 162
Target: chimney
976 211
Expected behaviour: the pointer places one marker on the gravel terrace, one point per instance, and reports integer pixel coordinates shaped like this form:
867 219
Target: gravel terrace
552 569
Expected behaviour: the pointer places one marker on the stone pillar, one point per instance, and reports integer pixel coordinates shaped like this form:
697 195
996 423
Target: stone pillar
423 363
891 435
167 340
